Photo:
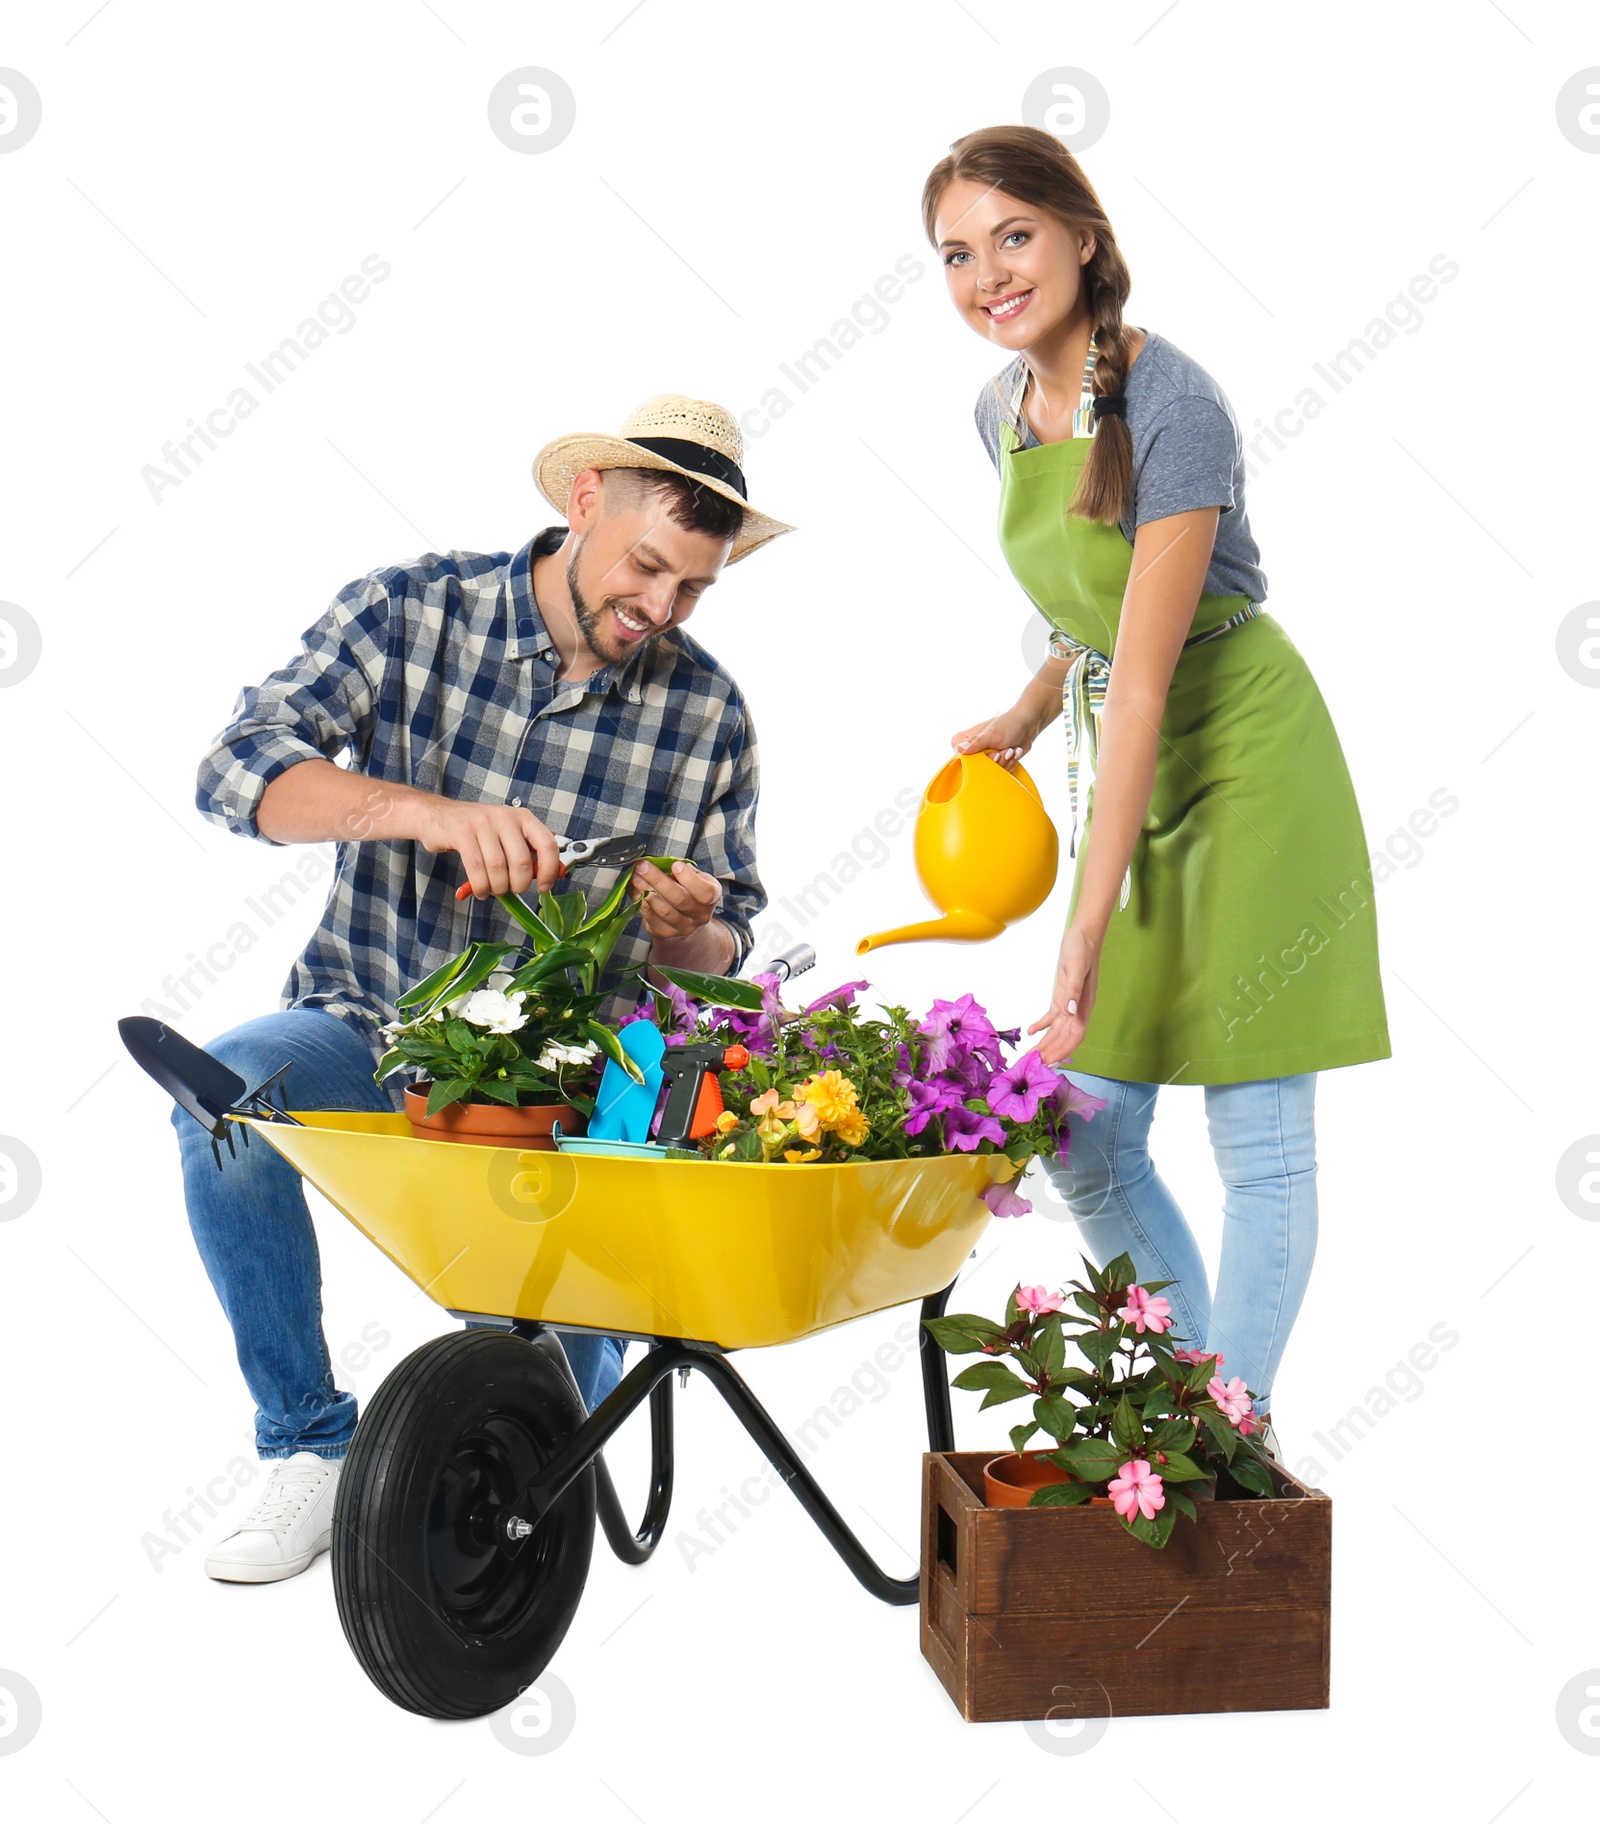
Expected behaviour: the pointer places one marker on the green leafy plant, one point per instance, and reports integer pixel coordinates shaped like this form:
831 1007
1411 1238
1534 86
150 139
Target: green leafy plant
516 1023
1135 1418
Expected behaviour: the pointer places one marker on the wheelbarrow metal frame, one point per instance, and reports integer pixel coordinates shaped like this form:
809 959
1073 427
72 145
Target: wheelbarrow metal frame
651 1379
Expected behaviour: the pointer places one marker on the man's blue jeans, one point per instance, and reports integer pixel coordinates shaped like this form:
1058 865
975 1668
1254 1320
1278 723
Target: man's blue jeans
255 1236
1263 1138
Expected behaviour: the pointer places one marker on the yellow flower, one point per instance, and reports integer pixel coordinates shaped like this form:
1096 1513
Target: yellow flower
854 1131
833 1096
727 1121
796 1156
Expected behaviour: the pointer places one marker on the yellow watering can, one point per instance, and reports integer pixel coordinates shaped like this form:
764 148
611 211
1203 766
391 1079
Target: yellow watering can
986 853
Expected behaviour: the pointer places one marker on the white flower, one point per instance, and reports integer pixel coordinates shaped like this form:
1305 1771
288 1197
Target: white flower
500 980
489 1008
555 1054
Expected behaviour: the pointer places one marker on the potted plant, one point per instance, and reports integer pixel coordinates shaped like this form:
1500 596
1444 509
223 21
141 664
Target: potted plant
506 1036
1146 1433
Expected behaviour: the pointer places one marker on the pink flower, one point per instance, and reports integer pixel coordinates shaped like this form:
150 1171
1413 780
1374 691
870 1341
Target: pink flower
1136 1487
1145 1312
1003 1200
964 1130
1249 1423
1015 1090
1195 1355
1036 1299
1233 1398
1070 1100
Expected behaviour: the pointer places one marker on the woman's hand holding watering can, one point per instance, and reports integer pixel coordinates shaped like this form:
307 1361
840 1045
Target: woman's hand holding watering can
1071 1003
1007 737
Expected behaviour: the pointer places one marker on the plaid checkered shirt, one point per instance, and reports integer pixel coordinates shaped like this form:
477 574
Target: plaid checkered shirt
442 675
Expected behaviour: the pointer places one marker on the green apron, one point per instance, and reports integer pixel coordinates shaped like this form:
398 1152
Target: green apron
1247 946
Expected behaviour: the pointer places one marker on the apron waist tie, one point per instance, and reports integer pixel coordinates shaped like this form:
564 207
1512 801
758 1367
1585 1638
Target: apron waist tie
1083 700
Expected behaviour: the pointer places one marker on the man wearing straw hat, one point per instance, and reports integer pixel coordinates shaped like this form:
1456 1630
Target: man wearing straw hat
488 704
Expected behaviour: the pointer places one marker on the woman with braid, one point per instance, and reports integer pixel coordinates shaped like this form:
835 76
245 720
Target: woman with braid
1221 929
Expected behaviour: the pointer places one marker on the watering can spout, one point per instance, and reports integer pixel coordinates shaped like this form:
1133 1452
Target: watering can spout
954 927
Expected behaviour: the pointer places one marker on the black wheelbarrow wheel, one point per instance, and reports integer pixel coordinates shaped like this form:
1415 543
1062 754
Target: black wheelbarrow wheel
447 1617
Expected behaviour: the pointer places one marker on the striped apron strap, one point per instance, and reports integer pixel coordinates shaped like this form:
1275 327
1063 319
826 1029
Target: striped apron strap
1083 703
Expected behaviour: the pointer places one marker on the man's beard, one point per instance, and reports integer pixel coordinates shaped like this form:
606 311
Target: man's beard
588 618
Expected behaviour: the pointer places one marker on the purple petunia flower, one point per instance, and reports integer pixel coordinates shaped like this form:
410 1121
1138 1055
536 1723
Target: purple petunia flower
964 1130
843 997
1070 1100
971 1073
1016 1089
930 1099
956 1028
1003 1200
759 1031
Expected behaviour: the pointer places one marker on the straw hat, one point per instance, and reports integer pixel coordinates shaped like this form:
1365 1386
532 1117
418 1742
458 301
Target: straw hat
683 436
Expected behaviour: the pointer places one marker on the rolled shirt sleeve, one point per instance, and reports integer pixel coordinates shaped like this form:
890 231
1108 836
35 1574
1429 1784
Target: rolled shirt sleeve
1190 461
322 702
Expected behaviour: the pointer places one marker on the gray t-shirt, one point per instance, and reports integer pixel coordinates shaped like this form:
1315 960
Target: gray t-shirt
1187 452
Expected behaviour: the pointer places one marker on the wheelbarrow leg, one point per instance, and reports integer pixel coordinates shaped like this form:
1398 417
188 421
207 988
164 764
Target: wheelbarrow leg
632 1547
936 1375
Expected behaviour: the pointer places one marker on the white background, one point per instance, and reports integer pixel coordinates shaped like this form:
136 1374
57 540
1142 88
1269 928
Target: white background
738 177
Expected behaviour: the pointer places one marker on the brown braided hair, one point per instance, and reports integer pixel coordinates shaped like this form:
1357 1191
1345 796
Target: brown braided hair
1036 168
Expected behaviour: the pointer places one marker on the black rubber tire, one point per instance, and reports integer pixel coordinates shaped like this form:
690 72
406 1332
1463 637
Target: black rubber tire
445 1620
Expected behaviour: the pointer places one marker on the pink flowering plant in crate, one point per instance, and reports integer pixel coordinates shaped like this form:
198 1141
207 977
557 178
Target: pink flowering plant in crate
1135 1419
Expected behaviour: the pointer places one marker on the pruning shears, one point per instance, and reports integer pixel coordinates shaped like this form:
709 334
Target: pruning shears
588 851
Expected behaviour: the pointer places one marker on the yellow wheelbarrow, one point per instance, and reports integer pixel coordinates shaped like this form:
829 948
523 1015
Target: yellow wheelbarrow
465 1514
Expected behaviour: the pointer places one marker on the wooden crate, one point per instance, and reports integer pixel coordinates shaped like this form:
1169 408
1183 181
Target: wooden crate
1033 1613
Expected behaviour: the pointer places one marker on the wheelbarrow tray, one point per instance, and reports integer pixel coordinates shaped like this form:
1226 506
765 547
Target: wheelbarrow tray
740 1255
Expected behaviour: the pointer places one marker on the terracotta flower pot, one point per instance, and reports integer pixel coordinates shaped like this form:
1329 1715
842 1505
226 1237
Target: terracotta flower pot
1010 1481
491 1123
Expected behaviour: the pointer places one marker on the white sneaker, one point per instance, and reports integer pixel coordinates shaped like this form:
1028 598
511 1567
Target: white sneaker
290 1523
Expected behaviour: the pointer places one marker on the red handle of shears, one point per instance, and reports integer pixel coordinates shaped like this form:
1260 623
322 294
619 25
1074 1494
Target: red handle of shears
464 891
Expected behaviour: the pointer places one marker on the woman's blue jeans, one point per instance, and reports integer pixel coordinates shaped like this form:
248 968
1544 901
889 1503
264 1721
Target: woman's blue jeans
1263 1138
255 1236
